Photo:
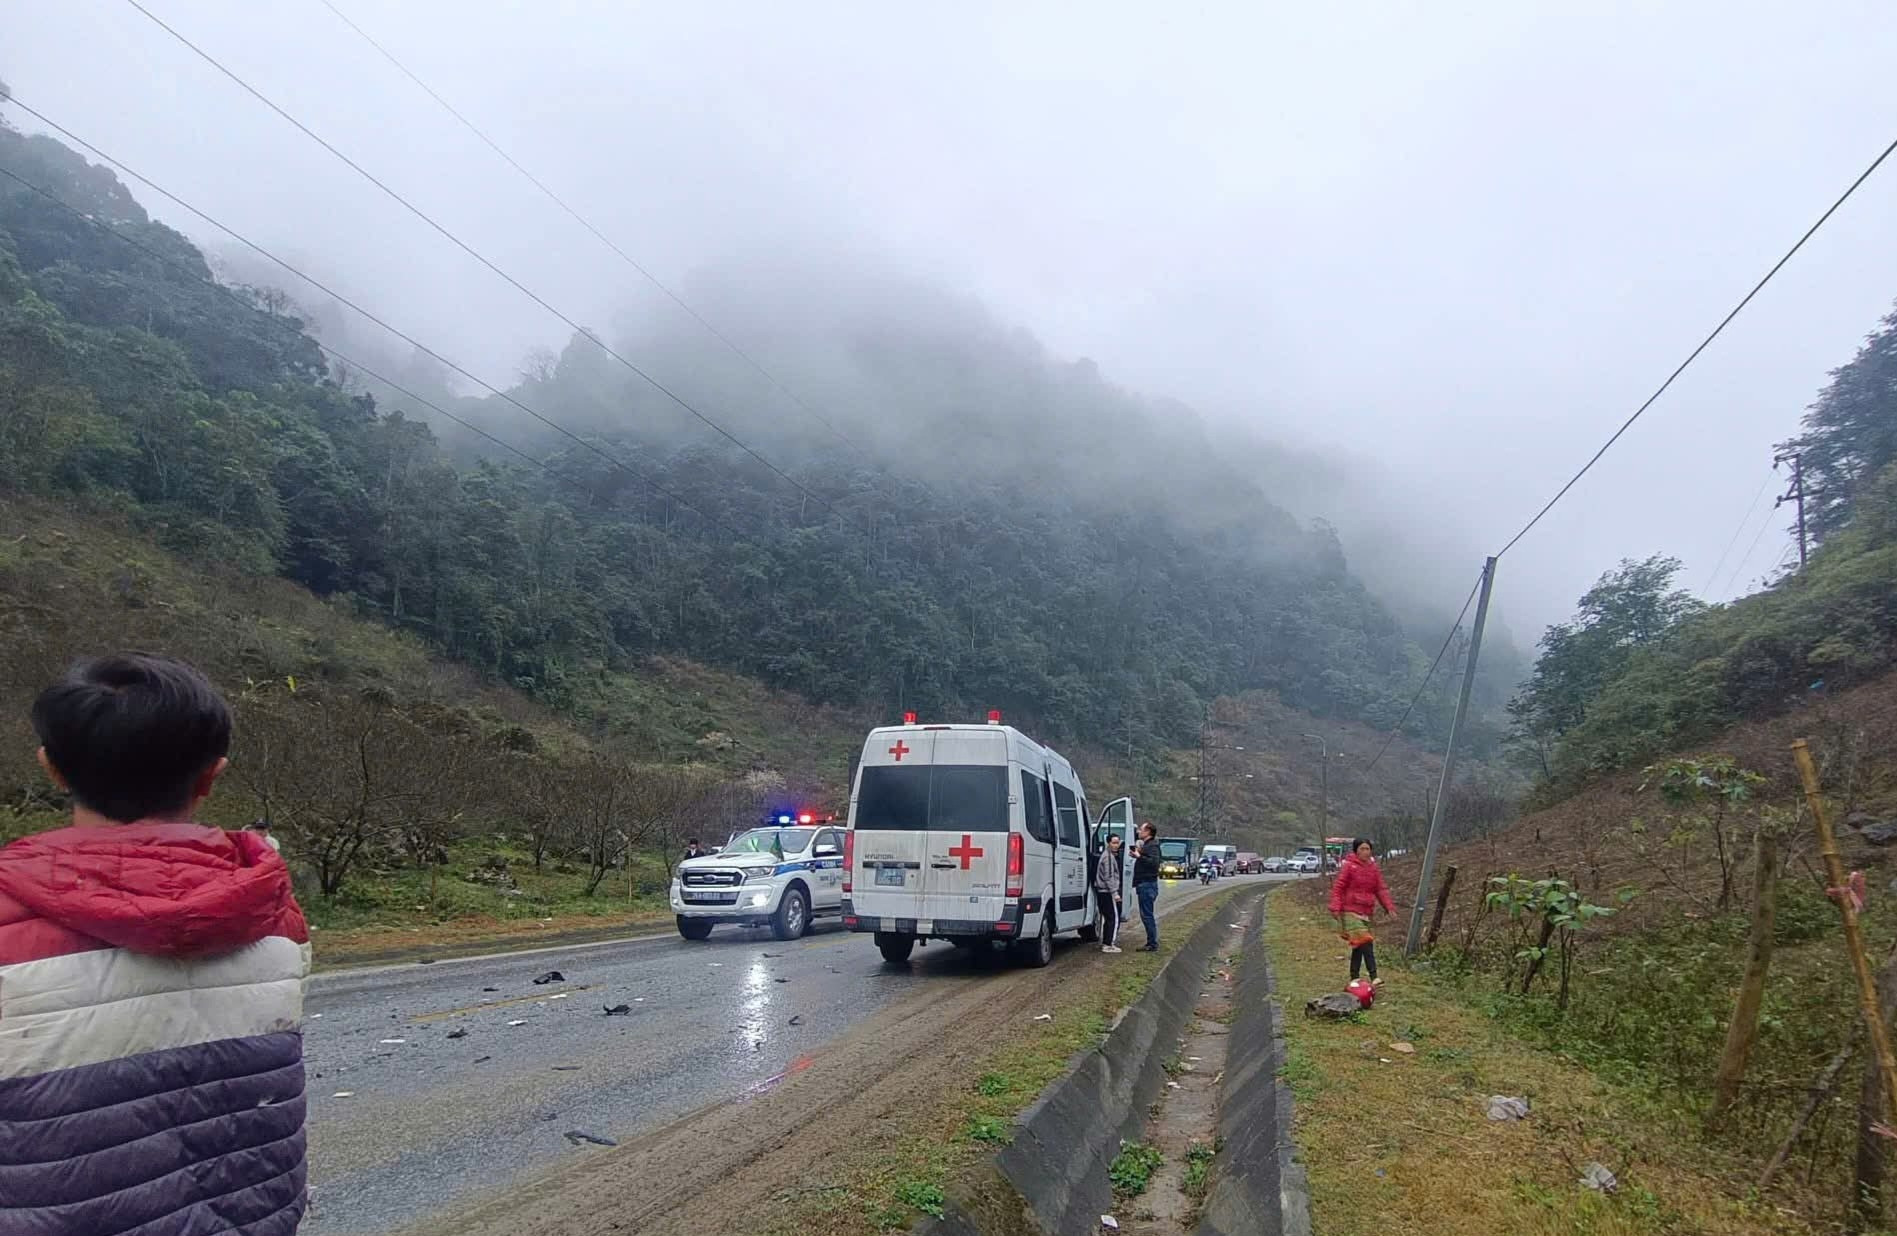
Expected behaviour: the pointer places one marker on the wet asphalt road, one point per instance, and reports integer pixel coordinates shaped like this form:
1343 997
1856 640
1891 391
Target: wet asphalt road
407 1123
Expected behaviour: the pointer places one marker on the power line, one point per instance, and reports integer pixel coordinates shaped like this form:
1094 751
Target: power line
1427 674
1739 567
344 358
598 235
397 332
1703 345
1734 538
468 249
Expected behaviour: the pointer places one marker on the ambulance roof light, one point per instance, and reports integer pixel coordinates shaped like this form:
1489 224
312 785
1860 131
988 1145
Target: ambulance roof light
908 718
994 716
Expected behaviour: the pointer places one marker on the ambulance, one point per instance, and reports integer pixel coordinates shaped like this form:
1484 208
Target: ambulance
972 834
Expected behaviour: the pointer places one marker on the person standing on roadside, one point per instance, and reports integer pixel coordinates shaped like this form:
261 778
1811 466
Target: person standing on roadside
1146 882
1355 895
151 1052
1108 880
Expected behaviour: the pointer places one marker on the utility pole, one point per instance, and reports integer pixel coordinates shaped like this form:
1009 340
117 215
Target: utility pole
1797 494
1205 786
1415 938
1323 803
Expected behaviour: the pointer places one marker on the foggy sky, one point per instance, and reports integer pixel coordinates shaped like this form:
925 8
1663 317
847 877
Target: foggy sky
1457 246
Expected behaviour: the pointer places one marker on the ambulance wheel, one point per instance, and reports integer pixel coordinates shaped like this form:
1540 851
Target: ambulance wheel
1039 951
792 919
895 948
694 928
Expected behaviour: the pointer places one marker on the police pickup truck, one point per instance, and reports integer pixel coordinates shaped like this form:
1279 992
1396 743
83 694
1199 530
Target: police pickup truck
780 876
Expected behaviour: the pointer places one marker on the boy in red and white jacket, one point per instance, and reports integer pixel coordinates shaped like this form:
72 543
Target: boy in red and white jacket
151 980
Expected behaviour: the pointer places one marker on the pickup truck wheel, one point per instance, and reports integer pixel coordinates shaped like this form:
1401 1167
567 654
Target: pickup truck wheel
1039 951
793 915
694 928
895 948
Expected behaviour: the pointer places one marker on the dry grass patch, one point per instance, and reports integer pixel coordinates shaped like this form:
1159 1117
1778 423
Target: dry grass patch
1400 1144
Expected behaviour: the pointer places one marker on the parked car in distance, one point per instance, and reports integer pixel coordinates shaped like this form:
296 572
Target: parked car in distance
1247 863
1272 864
1301 863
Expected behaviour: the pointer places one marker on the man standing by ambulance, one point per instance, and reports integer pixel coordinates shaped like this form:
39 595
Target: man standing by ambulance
1146 882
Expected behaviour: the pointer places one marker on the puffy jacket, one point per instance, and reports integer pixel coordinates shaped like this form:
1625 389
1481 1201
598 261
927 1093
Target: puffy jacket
1106 873
151 1061
1359 888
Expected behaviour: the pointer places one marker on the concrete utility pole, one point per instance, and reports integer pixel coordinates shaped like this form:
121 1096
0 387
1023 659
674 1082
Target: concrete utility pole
1323 803
1414 940
1797 494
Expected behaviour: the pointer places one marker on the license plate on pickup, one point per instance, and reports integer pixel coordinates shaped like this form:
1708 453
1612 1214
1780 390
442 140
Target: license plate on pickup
891 876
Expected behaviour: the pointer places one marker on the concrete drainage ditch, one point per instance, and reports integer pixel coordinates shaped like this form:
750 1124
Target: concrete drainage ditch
1189 1071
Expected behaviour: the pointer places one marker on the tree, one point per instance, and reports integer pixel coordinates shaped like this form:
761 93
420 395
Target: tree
1632 606
1850 432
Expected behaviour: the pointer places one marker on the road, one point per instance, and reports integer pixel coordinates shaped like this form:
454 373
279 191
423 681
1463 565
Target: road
407 1122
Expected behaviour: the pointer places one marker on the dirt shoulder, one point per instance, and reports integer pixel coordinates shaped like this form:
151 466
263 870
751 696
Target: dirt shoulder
1400 1144
861 1136
371 946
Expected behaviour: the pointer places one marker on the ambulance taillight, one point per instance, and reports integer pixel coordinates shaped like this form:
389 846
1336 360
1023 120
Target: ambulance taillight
849 860
1017 863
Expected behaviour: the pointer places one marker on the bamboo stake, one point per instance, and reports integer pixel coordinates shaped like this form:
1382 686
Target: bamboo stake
1853 940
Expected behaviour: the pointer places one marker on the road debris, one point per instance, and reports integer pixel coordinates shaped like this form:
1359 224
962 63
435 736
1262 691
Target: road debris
518 1021
1335 1006
490 989
563 995
796 1020
566 1068
1043 1017
390 1042
459 1032
782 980
1109 1224
619 1010
1504 1107
581 1136
551 976
343 1094
482 1059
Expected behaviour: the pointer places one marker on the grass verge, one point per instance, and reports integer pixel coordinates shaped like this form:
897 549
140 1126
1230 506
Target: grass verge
884 1187
1400 1144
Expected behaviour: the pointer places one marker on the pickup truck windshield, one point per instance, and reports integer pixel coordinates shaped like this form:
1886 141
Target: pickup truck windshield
758 841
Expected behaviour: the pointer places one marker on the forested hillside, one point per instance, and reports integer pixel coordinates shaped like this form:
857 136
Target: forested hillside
1645 667
1023 536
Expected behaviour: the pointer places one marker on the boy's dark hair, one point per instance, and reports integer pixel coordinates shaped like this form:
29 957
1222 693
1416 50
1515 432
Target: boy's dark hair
131 733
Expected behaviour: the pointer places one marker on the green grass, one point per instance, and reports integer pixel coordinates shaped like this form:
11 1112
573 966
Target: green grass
1132 1169
990 1129
1401 1145
1199 1158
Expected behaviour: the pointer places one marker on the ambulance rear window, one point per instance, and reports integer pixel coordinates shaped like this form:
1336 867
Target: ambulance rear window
941 797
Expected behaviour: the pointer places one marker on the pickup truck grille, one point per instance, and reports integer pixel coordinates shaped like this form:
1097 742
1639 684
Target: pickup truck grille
712 879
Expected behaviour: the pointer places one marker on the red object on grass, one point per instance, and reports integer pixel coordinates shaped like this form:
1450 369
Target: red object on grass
1364 991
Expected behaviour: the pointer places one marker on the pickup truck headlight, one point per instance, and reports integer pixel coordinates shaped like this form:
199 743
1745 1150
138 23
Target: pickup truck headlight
757 874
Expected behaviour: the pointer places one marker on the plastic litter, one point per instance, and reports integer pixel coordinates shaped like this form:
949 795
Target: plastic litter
1505 1107
460 1032
518 1021
1043 1017
388 1042
551 976
1596 1177
343 1094
1109 1224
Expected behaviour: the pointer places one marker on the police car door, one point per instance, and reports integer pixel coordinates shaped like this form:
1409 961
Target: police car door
826 870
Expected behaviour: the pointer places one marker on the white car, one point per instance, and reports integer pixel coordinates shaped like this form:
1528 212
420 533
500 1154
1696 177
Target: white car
1301 863
774 877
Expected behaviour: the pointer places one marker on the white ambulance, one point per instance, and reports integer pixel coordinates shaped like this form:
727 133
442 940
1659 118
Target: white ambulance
972 834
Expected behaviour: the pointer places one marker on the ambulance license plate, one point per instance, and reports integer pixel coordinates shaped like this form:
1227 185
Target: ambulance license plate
891 876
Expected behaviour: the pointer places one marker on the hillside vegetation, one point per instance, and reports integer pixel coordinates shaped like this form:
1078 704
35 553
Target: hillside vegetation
1039 541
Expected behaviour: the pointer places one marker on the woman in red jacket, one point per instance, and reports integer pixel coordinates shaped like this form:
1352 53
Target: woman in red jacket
1355 895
